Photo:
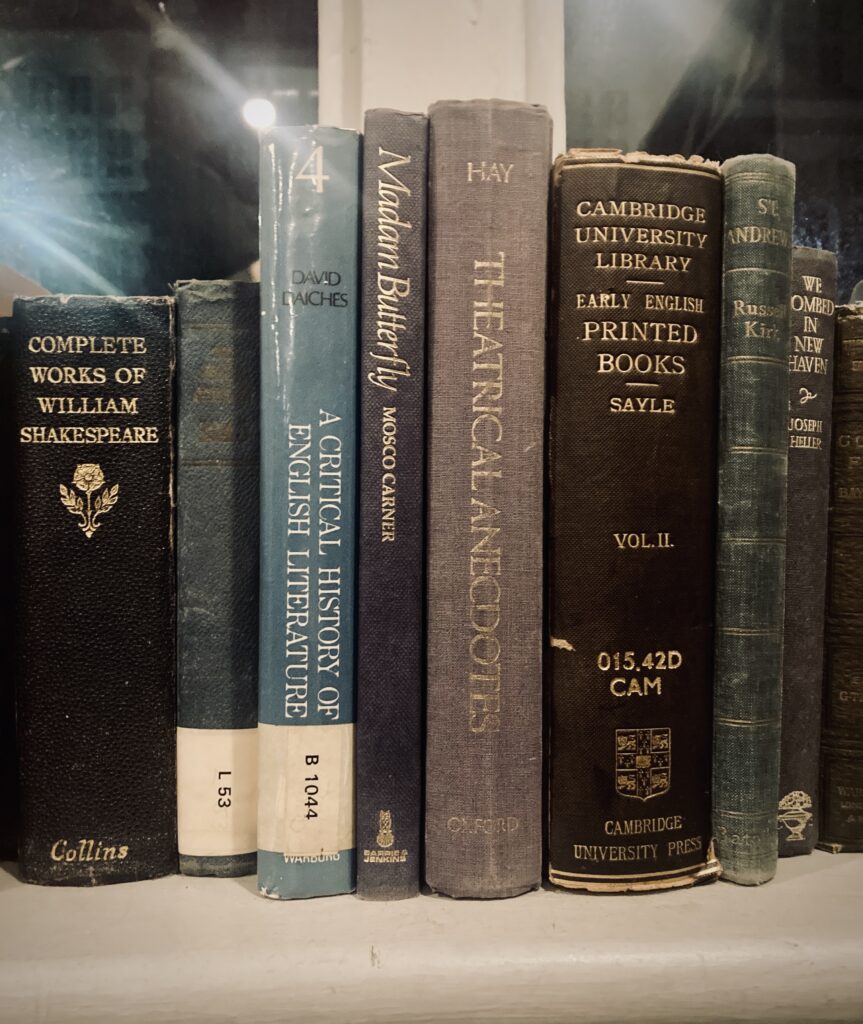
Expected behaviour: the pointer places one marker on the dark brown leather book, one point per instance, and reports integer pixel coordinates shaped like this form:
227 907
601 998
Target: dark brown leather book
810 399
488 193
632 457
841 817
8 753
96 690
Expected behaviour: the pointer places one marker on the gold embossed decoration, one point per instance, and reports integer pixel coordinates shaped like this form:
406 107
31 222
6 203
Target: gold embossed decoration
385 837
795 814
643 766
88 478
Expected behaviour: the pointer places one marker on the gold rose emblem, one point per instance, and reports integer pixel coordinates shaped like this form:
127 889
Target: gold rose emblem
88 478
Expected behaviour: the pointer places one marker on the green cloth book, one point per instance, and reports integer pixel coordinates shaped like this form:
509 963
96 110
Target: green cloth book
753 463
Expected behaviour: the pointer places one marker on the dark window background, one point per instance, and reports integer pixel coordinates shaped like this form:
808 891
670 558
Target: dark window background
721 77
125 162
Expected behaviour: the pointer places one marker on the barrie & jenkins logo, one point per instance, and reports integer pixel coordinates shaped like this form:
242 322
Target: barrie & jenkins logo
88 478
643 762
385 839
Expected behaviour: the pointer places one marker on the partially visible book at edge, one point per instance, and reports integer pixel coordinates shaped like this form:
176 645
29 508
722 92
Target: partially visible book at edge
218 342
753 461
390 656
8 746
810 398
94 532
309 319
841 794
632 457
488 173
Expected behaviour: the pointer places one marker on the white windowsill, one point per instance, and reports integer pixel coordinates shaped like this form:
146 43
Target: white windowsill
186 950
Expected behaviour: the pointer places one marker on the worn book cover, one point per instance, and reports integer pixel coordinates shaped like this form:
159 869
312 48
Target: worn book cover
391 643
841 789
8 751
94 533
309 350
810 399
218 346
488 173
632 487
758 194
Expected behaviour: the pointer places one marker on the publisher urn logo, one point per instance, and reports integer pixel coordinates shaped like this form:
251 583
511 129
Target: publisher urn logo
795 815
643 762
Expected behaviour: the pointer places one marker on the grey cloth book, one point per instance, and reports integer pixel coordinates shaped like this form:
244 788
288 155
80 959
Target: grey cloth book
488 198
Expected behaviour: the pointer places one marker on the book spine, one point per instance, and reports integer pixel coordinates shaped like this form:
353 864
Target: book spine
753 461
391 506
309 293
94 533
810 395
218 345
631 548
841 790
488 199
8 751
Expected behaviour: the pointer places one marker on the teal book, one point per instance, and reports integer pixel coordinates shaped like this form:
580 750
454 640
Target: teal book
309 353
758 194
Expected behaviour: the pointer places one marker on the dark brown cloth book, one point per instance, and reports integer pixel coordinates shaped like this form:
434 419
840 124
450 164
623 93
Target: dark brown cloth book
810 399
489 166
96 690
841 796
632 464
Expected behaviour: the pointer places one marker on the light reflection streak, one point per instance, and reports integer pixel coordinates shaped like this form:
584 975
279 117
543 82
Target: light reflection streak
167 36
30 233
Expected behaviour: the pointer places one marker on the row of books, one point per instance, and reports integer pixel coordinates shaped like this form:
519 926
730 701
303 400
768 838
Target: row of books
386 471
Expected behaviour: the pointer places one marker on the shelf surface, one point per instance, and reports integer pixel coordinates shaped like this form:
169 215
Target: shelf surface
184 950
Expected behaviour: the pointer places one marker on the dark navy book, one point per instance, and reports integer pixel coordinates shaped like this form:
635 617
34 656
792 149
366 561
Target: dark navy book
392 495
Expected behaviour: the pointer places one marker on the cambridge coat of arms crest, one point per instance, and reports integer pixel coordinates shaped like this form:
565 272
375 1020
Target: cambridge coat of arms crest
642 762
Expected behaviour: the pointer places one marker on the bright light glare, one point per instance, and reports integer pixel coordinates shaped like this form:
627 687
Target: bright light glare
259 113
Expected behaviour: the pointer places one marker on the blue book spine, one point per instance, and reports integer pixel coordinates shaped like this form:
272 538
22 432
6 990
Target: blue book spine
309 352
